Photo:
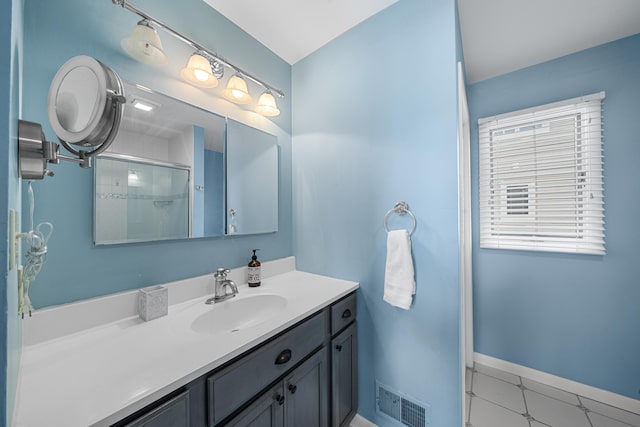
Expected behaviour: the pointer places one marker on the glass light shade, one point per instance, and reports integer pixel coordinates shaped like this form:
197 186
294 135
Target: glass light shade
237 91
267 105
198 72
144 45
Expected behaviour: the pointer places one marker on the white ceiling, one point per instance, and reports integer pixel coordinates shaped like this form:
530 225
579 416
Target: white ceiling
498 36
293 29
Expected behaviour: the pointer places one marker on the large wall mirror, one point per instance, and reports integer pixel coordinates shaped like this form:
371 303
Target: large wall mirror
176 171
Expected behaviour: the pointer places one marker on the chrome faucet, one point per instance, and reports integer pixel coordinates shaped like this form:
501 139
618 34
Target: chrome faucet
222 283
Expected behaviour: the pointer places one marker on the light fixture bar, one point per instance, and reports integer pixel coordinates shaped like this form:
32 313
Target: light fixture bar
197 46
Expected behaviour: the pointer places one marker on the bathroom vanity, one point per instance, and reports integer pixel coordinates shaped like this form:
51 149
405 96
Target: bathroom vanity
303 377
202 365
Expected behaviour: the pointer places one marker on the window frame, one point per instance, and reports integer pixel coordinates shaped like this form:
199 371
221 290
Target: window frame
561 169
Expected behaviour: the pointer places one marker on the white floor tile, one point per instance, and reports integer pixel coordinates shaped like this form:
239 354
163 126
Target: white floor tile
467 401
486 414
554 412
496 401
601 421
498 392
611 412
556 393
496 373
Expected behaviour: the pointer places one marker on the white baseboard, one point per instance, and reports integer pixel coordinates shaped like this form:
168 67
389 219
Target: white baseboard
613 399
360 421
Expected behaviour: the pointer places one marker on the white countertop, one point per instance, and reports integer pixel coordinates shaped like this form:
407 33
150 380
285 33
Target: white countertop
100 375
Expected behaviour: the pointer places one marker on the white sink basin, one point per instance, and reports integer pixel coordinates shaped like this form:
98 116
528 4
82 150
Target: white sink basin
239 313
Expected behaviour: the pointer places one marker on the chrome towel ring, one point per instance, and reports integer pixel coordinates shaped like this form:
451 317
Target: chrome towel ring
400 208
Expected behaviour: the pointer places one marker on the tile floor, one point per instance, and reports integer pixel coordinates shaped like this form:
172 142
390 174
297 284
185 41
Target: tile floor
499 399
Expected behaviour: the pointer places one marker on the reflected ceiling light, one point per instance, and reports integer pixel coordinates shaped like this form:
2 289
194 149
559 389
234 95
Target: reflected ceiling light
142 106
144 45
267 105
132 179
236 90
199 72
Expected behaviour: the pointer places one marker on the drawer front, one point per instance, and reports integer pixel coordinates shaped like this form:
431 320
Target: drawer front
236 384
342 313
175 412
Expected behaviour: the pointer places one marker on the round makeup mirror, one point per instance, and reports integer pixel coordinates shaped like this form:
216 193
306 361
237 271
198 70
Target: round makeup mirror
85 105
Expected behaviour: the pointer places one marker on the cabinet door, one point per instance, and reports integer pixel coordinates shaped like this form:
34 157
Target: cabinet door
267 411
344 377
175 412
306 393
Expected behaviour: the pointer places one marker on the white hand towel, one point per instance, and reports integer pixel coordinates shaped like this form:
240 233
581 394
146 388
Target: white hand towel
399 282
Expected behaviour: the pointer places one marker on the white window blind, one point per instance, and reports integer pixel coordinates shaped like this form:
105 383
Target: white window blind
541 178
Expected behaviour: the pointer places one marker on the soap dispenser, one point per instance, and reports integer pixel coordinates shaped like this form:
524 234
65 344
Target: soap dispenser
254 275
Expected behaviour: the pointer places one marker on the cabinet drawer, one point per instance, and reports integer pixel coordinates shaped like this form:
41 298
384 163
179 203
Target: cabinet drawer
238 383
175 412
342 313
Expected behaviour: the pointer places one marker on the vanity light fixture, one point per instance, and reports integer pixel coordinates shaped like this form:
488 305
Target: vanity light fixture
267 105
198 72
236 90
144 45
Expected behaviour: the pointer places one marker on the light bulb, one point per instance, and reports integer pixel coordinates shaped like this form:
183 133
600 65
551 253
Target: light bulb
267 105
198 72
236 90
202 76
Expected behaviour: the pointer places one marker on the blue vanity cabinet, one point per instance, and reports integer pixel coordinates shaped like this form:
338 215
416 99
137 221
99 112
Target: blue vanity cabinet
344 362
306 376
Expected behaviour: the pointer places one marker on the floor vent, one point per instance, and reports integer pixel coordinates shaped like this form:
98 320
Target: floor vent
402 408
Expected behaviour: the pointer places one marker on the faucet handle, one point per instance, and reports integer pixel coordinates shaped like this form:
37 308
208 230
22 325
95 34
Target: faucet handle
222 272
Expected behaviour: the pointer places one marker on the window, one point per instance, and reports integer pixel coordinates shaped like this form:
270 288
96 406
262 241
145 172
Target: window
541 178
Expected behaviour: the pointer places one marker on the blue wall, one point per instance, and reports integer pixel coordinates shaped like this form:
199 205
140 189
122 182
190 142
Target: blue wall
10 83
213 192
57 30
572 316
198 213
375 122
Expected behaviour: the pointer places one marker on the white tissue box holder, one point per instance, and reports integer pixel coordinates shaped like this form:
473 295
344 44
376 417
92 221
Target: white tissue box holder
153 302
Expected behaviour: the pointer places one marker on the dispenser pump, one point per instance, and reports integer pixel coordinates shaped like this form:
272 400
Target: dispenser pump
253 271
